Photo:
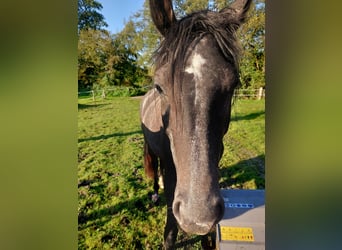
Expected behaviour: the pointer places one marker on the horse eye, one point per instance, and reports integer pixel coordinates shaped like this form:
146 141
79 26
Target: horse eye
158 88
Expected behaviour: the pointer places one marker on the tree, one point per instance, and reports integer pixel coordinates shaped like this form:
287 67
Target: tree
193 5
89 16
252 35
96 57
141 36
127 71
105 60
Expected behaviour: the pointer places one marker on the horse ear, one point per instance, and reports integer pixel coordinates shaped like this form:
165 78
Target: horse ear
162 15
238 10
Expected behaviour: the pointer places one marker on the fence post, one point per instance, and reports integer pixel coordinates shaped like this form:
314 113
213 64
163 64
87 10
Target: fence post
93 95
103 94
260 93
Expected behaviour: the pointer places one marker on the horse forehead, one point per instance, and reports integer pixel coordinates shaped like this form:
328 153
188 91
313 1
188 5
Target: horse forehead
195 65
204 60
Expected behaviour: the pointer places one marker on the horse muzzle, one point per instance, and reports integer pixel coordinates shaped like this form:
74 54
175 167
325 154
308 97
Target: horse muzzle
198 216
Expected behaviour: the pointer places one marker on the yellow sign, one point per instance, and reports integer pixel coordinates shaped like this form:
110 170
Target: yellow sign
237 233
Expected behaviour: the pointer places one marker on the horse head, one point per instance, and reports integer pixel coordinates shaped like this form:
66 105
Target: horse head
195 77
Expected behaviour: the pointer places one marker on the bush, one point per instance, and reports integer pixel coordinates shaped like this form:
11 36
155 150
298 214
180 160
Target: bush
125 91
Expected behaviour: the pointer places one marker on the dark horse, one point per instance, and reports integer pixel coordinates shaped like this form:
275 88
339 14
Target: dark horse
187 113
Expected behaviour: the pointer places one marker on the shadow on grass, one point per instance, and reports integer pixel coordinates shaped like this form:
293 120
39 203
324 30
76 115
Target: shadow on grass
102 137
244 171
85 106
141 203
247 117
127 208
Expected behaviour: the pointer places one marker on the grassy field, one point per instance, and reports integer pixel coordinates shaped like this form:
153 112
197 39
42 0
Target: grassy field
114 206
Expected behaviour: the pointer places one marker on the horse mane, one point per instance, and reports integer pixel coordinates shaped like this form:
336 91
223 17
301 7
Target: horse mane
187 32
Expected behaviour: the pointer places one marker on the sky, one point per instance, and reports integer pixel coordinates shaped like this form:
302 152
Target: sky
116 12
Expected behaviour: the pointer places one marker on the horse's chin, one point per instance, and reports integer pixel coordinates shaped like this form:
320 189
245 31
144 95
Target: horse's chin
197 228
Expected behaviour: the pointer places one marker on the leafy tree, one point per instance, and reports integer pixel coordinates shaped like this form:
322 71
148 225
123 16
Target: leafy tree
219 4
89 16
252 35
141 36
96 57
105 60
193 5
127 71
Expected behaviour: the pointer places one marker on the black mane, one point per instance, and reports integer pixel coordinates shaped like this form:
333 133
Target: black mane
187 32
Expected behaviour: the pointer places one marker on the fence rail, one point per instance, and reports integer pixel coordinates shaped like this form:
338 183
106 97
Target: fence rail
250 93
102 93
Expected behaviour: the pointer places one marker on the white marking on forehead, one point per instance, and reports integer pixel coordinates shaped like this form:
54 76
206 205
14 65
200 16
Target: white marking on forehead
195 67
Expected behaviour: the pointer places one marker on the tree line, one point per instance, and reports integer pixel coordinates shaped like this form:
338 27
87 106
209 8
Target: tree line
124 59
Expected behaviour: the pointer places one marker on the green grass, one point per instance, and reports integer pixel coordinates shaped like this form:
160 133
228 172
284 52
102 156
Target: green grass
243 161
114 209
